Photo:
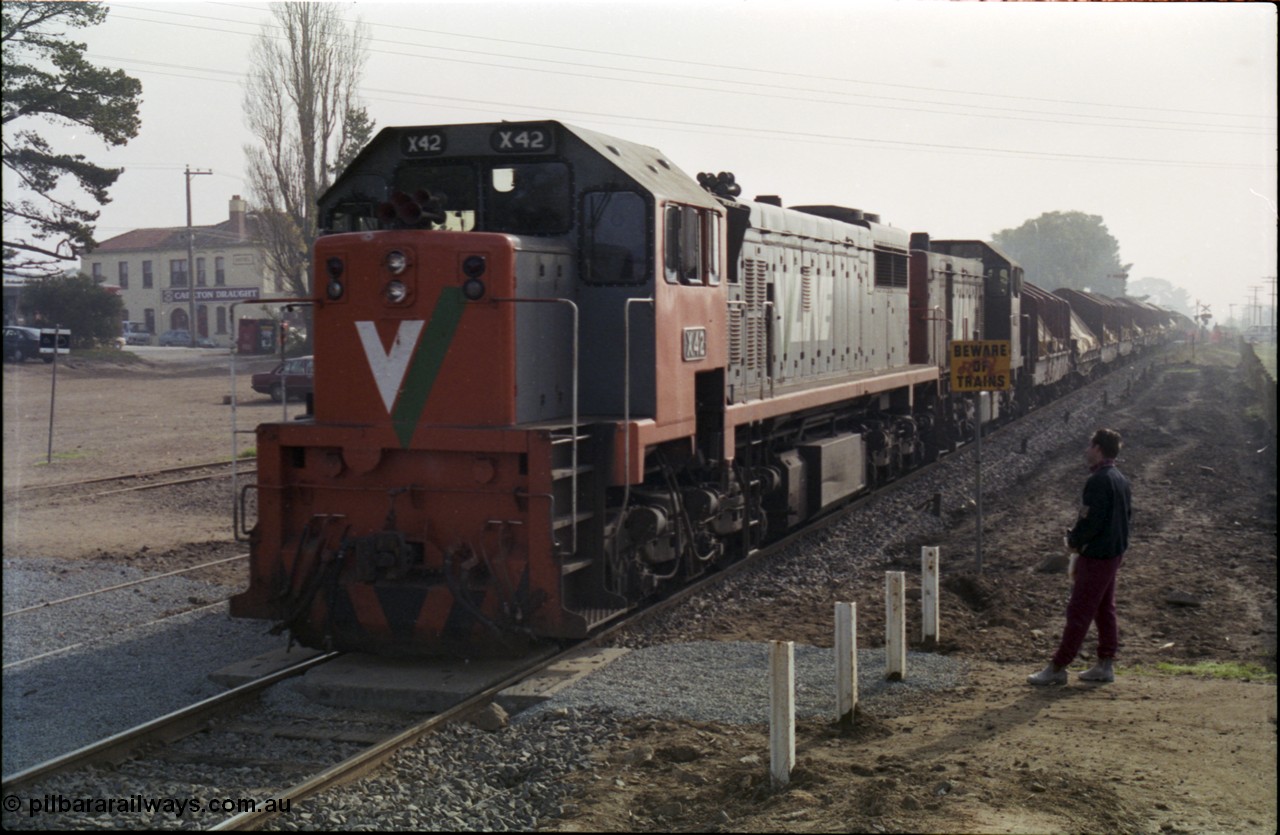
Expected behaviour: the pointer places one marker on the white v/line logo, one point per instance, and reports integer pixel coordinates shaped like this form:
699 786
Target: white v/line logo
389 367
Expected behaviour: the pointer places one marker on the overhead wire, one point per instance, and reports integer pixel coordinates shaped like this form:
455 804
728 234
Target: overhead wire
401 27
787 94
687 126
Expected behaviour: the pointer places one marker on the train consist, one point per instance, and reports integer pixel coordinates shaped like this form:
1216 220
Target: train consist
555 376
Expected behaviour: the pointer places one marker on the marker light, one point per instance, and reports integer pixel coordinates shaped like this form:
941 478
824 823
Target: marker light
473 289
396 262
474 266
396 292
334 289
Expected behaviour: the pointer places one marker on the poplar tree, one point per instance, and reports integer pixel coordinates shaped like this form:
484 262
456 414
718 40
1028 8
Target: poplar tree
302 106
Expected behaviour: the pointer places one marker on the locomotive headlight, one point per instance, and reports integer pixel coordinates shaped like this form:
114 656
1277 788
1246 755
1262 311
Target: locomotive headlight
396 292
473 289
473 266
335 267
396 262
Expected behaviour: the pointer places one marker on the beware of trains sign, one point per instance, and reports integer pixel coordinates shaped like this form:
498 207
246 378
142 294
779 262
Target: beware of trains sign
980 365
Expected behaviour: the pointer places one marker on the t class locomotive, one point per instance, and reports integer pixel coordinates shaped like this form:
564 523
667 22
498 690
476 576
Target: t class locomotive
556 376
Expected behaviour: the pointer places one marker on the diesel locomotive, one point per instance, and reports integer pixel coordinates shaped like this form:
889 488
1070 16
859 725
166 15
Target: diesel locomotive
556 376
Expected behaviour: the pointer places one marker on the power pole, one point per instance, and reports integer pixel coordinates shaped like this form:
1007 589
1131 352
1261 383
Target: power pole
1271 320
191 260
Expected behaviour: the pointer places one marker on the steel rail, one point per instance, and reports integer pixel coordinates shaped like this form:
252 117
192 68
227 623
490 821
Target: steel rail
123 477
148 579
169 727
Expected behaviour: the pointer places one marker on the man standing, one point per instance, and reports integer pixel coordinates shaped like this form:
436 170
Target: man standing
1100 537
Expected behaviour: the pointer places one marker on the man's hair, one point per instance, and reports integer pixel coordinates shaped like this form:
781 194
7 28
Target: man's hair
1107 440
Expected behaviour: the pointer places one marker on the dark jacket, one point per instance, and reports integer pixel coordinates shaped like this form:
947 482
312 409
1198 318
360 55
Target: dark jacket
1102 531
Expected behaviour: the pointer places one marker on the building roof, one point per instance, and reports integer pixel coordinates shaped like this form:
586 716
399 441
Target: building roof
240 229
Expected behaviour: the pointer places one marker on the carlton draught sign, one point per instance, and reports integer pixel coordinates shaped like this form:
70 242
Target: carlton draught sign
980 365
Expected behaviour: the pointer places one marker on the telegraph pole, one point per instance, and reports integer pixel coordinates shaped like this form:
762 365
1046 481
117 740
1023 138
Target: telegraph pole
191 260
1271 320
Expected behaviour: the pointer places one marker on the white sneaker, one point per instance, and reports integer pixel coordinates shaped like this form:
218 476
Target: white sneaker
1048 676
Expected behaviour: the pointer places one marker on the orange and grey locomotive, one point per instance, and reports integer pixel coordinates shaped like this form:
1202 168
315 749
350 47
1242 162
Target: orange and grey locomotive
556 376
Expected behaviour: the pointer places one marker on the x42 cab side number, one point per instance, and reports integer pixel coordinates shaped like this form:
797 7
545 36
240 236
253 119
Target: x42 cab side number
695 344
515 140
422 144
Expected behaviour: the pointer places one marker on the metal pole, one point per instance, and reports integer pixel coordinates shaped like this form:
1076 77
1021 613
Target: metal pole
191 261
978 451
53 392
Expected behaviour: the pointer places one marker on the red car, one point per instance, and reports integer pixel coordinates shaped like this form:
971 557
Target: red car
293 378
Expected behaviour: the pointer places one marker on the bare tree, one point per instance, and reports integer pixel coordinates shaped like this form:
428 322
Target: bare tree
302 105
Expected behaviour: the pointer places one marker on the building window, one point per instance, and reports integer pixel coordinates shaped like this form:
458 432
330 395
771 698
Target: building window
178 272
147 278
97 272
219 271
123 268
222 320
149 316
124 314
199 272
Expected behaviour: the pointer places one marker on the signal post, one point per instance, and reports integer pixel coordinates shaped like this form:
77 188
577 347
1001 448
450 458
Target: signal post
980 366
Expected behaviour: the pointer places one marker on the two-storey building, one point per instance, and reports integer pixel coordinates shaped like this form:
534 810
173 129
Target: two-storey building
150 268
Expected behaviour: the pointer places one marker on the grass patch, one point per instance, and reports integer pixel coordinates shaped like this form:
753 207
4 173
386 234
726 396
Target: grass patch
62 456
1230 670
251 452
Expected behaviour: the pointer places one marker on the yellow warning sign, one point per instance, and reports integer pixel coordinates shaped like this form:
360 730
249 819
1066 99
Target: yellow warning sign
980 365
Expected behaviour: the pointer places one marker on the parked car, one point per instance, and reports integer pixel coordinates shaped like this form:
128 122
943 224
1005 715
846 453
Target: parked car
136 333
180 338
293 376
21 343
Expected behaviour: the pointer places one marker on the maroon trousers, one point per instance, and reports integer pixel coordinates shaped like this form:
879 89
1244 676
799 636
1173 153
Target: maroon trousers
1093 600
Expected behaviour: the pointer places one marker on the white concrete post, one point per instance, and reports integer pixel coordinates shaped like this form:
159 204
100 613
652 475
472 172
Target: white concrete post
782 711
929 593
895 625
846 645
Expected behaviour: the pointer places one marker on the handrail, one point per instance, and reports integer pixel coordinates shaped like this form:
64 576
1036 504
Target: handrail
235 479
573 403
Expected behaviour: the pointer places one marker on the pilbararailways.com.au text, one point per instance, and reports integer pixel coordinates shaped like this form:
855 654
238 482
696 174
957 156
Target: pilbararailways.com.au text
136 804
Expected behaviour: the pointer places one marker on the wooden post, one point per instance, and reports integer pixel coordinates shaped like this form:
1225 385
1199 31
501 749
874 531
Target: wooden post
782 711
846 645
929 594
895 625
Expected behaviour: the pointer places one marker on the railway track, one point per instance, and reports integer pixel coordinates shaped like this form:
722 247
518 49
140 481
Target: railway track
93 488
327 759
326 772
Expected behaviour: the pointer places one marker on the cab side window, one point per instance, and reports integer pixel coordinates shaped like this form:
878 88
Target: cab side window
691 251
615 238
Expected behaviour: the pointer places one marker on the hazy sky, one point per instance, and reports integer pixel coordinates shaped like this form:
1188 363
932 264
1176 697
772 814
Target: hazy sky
959 119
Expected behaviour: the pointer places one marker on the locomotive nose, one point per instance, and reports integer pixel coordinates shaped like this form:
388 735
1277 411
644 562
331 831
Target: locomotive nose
411 327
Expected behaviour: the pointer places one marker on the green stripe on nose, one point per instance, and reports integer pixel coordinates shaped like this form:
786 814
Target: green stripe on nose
426 363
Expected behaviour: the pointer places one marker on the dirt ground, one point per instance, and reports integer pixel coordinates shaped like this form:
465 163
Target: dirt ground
128 416
1153 752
